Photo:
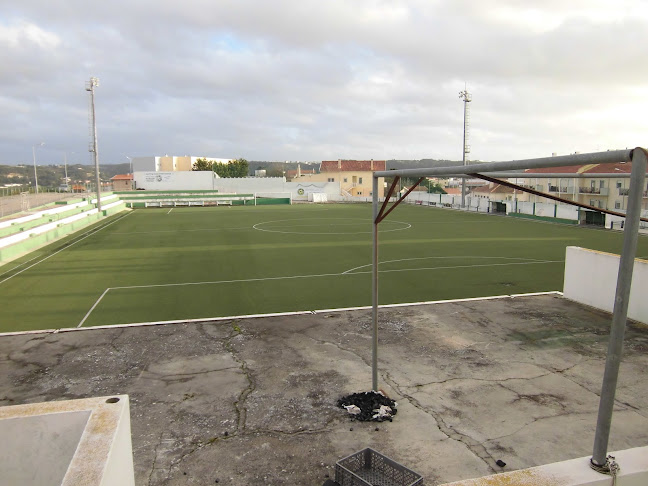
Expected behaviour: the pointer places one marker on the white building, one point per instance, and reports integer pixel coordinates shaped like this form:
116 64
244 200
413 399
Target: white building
170 163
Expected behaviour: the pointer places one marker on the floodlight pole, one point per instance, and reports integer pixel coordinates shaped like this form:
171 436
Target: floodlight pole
34 154
94 82
374 289
620 313
467 98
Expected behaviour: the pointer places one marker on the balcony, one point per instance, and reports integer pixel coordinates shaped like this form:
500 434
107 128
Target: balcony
565 189
624 192
602 191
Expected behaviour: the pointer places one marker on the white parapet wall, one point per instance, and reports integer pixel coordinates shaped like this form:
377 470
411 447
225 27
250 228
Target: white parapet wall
633 471
68 442
591 278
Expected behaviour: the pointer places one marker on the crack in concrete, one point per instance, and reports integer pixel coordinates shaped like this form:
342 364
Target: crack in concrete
474 446
155 452
239 404
171 376
537 419
488 380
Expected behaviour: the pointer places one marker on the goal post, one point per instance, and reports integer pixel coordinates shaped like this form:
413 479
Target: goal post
268 198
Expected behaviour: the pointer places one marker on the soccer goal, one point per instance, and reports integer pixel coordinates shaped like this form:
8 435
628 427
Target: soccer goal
317 197
266 198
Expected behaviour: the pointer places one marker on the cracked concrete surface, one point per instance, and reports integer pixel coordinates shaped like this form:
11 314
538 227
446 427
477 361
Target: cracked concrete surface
252 401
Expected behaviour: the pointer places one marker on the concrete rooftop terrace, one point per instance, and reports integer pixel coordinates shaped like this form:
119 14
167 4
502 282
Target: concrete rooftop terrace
253 401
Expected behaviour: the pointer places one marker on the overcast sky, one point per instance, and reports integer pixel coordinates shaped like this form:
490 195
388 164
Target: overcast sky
312 80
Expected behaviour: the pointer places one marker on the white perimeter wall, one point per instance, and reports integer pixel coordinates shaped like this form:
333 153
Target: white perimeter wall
176 181
591 278
253 185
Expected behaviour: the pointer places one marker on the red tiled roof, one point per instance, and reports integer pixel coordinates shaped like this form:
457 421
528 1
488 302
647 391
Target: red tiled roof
452 190
610 168
352 165
293 173
122 177
498 188
585 169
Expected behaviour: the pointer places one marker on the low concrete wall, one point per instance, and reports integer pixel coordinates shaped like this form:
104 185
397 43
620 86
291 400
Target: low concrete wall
591 278
68 442
575 472
13 246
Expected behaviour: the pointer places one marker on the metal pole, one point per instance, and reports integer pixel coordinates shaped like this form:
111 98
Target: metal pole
624 281
35 173
95 149
559 161
66 177
463 153
374 291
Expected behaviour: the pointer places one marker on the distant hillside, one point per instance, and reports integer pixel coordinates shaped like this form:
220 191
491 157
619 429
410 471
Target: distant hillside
53 175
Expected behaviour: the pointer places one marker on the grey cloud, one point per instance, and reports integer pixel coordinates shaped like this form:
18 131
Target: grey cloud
314 80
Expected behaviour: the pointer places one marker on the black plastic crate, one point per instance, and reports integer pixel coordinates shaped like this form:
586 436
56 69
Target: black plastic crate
370 468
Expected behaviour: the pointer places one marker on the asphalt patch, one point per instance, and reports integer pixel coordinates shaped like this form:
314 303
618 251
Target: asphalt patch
371 406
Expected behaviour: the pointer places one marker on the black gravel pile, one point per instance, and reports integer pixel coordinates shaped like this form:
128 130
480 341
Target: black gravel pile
368 403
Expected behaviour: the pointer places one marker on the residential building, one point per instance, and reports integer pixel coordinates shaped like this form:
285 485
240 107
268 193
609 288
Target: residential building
593 189
494 192
170 163
354 176
122 182
297 173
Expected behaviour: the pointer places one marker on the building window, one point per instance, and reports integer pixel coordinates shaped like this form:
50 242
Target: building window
331 179
601 184
617 205
359 180
345 179
619 185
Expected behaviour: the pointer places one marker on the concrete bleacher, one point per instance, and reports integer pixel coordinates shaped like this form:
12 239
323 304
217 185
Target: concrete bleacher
143 199
28 232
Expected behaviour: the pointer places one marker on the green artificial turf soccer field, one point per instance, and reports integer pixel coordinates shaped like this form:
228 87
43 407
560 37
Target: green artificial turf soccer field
191 263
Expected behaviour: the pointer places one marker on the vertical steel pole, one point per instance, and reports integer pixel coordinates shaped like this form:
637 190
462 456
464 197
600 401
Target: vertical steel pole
374 290
624 281
95 149
35 173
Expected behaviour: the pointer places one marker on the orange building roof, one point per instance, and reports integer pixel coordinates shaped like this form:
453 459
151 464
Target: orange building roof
611 168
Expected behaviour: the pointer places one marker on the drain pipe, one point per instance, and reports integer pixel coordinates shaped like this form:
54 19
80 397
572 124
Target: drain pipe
624 281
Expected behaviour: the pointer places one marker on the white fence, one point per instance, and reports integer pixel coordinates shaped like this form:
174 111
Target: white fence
591 278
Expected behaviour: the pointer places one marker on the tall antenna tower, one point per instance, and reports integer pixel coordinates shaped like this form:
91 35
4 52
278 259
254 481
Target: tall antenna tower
467 98
90 86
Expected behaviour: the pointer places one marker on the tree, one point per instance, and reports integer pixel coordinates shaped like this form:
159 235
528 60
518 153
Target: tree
236 168
202 164
433 187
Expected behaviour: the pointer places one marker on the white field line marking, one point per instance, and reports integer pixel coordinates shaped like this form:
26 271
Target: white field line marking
89 233
93 307
293 277
170 210
459 266
531 260
19 265
179 231
276 314
257 227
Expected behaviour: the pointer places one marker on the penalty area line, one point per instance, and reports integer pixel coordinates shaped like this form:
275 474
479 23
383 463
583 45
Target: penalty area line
93 308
